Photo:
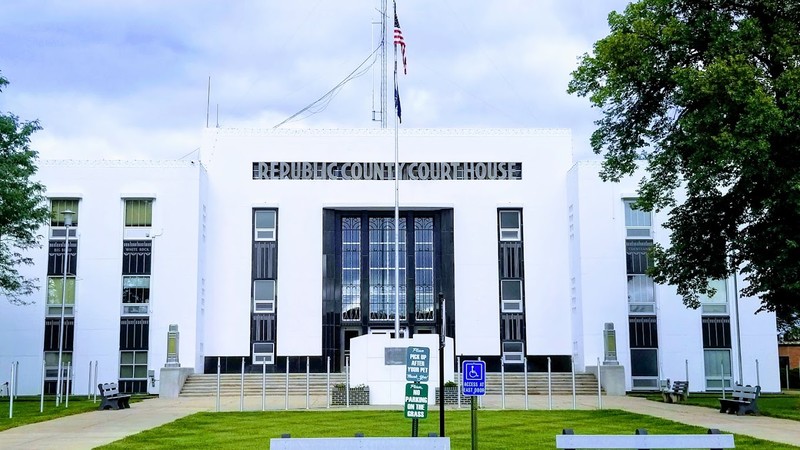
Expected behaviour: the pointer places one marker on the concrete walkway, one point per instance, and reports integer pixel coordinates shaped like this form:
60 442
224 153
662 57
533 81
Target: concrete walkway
89 430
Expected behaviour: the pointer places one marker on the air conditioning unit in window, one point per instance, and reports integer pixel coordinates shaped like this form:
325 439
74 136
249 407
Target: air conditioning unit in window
264 353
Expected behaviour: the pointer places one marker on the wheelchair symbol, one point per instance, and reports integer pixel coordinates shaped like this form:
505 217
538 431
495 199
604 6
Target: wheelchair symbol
473 372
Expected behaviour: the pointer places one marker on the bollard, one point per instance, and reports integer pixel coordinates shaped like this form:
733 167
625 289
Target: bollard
722 378
41 400
758 374
263 386
599 391
503 381
574 397
11 388
241 389
347 381
218 372
549 385
89 382
94 384
308 372
286 391
525 371
69 384
328 381
687 370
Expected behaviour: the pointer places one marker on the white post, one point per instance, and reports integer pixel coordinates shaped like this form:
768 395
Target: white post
241 389
503 381
687 370
89 383
549 384
11 393
328 382
308 372
69 384
758 374
525 370
59 380
41 400
263 386
94 384
218 372
286 391
722 378
458 379
347 381
574 397
599 391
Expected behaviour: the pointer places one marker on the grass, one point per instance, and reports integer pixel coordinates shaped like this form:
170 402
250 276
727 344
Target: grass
496 429
783 406
26 410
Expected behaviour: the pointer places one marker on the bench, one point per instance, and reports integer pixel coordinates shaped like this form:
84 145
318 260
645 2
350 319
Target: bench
743 400
641 440
664 387
111 398
679 392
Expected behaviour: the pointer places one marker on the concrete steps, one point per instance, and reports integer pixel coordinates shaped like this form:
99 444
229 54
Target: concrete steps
201 385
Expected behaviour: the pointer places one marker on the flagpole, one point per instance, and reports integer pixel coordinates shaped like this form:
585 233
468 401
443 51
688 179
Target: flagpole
396 205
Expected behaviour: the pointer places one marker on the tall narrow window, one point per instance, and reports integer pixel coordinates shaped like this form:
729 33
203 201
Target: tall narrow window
265 222
510 226
135 295
56 293
57 217
511 296
382 293
133 365
641 289
264 296
423 272
718 302
351 268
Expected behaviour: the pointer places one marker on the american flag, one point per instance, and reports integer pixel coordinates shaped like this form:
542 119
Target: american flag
398 40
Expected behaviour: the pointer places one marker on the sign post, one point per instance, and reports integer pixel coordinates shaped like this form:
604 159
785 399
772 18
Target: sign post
472 385
417 373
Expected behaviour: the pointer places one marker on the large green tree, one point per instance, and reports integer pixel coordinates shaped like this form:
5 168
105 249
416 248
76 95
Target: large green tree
22 204
707 93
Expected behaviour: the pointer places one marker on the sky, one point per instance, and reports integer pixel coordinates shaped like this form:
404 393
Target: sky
128 79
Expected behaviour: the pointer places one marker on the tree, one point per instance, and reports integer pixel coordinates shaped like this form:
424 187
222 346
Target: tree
707 93
22 204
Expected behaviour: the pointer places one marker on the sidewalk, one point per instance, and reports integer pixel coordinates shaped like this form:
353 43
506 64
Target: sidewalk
85 431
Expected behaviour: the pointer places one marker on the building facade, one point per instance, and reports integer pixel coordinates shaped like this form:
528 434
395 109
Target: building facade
279 245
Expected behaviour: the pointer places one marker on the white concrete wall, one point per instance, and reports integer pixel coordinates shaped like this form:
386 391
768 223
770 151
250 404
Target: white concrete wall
600 244
228 155
101 187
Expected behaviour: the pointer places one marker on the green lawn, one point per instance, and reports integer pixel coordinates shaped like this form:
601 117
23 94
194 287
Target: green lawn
26 409
784 406
497 429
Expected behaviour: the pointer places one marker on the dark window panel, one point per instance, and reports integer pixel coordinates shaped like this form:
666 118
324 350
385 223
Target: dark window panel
643 332
134 334
716 332
136 257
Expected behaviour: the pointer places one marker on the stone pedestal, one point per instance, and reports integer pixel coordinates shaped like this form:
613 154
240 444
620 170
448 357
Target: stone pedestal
171 380
612 378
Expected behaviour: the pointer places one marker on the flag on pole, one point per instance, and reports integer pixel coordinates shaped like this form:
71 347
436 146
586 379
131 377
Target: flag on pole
397 103
398 40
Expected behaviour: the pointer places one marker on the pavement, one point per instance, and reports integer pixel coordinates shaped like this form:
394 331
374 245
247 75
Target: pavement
89 430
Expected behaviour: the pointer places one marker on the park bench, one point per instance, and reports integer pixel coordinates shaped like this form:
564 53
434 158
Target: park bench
664 387
743 399
679 392
111 398
641 440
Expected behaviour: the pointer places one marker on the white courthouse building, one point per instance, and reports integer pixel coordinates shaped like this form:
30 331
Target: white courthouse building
276 245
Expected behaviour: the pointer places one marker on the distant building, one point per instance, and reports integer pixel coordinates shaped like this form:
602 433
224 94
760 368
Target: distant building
278 245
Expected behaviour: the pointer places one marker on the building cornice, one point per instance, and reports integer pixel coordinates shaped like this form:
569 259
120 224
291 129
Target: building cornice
358 132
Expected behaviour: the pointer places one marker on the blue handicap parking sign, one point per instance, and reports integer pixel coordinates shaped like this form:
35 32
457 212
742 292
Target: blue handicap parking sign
473 378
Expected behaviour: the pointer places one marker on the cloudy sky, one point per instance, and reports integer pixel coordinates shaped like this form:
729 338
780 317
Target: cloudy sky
129 78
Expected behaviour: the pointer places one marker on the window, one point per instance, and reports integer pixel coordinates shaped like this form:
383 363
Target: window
264 296
423 273
139 213
643 336
138 218
638 223
513 352
55 294
382 268
133 364
351 268
717 303
265 225
57 224
51 364
511 295
718 368
263 353
641 289
510 226
135 295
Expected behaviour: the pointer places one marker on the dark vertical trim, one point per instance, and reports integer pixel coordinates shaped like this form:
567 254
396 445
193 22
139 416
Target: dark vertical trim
411 272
